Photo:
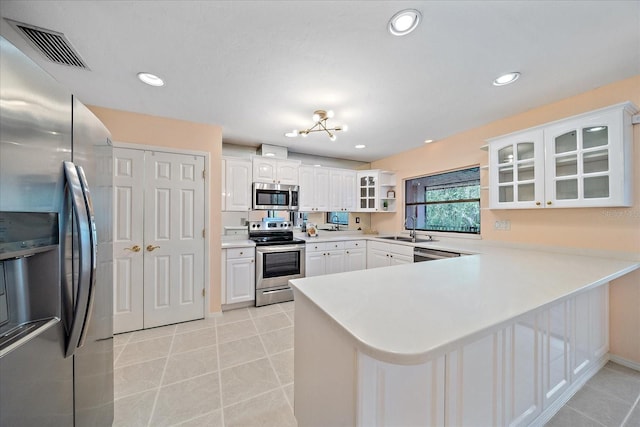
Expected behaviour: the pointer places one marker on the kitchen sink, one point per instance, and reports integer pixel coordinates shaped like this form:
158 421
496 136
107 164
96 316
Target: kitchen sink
407 239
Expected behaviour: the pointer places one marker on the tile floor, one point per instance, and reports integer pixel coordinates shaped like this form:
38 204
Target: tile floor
237 370
231 370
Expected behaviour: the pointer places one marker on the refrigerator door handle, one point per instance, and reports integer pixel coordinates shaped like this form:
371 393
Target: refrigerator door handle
81 300
93 251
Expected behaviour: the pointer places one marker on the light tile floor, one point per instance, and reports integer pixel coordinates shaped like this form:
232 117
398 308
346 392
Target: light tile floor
232 370
237 370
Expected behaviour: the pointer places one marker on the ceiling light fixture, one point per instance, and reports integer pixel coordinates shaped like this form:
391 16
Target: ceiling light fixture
507 78
404 22
320 118
359 146
428 141
150 79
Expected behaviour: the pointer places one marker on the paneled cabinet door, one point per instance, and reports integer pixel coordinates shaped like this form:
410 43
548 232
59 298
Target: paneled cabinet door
334 262
287 172
237 190
377 258
314 189
264 170
240 280
355 259
342 190
516 166
315 264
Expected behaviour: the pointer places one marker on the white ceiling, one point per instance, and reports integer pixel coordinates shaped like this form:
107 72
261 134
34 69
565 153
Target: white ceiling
260 68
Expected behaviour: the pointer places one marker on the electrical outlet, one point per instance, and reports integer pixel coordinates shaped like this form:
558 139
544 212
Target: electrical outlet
503 225
357 220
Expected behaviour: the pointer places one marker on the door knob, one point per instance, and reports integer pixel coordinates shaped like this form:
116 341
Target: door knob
134 248
151 248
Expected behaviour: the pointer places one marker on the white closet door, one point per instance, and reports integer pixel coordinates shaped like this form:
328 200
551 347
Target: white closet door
174 242
128 239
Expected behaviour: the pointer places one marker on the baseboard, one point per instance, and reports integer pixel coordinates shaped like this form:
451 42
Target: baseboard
546 415
624 362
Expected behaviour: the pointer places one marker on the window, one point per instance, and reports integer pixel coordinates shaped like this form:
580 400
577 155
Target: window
341 218
447 201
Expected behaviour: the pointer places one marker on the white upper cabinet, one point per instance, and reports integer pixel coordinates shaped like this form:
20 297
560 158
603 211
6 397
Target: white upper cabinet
582 161
236 185
275 171
314 189
376 191
343 190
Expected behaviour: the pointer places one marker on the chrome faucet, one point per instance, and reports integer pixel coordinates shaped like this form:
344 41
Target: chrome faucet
336 223
412 233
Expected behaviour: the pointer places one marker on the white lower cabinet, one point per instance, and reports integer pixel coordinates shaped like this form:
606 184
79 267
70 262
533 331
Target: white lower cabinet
381 254
324 258
355 255
508 377
239 275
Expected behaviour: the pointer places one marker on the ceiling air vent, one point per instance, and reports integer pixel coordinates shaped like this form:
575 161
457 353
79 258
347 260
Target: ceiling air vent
53 45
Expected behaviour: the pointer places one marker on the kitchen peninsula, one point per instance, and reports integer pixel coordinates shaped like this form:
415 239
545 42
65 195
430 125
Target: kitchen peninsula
502 337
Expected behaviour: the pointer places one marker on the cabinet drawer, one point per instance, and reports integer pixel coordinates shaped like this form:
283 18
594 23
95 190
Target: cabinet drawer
401 249
334 245
355 244
241 253
315 246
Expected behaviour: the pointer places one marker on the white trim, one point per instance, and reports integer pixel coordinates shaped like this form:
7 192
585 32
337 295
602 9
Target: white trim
146 147
624 362
546 415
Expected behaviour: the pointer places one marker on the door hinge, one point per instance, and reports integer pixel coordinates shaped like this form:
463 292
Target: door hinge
203 233
202 291
204 174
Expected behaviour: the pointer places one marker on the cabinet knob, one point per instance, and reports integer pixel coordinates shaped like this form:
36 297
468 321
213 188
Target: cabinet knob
241 253
252 260
347 251
387 254
537 203
134 248
548 203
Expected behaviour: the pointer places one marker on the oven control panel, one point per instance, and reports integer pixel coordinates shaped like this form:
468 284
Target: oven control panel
270 225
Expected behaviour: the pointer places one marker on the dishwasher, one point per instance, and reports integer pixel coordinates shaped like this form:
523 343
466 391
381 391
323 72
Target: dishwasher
424 254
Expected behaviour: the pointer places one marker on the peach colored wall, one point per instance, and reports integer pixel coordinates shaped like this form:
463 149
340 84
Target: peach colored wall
616 229
163 132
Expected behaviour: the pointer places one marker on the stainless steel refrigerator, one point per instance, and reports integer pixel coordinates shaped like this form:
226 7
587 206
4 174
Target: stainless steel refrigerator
56 333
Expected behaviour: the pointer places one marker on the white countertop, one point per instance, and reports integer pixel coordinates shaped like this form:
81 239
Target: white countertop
240 241
408 313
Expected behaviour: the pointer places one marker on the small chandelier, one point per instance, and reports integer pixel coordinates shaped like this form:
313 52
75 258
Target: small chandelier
320 125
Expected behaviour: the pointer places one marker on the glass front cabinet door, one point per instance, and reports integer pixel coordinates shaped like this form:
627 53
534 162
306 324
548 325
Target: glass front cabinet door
368 191
517 171
583 161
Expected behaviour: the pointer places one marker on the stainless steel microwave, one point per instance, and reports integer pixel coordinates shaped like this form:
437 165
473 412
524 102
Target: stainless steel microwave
277 197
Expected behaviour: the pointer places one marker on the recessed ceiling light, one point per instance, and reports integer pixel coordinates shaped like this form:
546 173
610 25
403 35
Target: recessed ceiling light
404 22
359 146
428 141
150 79
291 134
507 78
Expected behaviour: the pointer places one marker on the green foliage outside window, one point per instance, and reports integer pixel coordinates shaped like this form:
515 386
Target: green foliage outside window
444 202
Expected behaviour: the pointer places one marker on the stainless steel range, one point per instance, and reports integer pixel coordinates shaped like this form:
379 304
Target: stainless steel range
279 258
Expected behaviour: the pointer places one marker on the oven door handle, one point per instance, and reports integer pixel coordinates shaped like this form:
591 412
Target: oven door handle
279 248
274 291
